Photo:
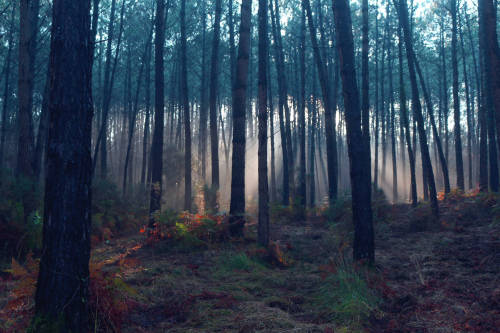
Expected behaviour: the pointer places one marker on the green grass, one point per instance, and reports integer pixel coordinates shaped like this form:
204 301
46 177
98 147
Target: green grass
345 298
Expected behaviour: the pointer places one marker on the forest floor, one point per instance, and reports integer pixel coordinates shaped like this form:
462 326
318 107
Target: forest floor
429 276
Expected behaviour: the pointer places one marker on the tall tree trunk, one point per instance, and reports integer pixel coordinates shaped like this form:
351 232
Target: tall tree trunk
42 132
185 105
456 100
135 108
271 129
428 102
312 154
145 140
157 145
102 138
468 106
406 124
491 56
263 227
377 107
28 28
109 79
392 127
365 77
417 108
6 92
202 145
214 137
331 146
237 205
302 193
445 89
62 289
284 101
284 141
359 160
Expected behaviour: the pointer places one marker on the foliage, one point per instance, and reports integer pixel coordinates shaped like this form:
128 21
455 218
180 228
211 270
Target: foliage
111 299
112 214
345 296
188 230
18 235
238 261
339 211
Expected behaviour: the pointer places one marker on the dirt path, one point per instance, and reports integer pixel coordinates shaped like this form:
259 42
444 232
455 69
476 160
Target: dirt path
441 280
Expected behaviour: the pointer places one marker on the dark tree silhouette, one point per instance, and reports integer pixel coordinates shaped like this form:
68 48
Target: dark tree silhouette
358 158
237 206
62 289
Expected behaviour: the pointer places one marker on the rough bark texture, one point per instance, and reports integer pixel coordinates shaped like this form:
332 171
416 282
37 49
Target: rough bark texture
358 159
157 145
237 205
62 289
491 56
263 227
185 106
214 137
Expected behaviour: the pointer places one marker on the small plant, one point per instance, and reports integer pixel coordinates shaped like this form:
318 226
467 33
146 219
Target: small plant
238 262
345 296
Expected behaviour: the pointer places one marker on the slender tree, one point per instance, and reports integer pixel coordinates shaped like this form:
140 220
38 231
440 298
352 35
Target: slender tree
263 230
358 158
185 106
456 100
237 205
214 137
6 92
331 145
28 28
157 145
417 107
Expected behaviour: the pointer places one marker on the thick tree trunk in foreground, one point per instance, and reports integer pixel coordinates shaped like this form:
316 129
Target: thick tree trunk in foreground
263 227
62 289
358 157
157 145
237 206
491 57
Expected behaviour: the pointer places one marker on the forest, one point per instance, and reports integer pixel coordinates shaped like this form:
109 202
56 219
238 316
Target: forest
249 166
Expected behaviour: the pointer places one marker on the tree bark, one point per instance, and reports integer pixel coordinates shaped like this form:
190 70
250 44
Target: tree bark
237 205
406 124
157 145
62 289
28 28
6 93
214 137
359 160
331 146
263 226
417 108
456 100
